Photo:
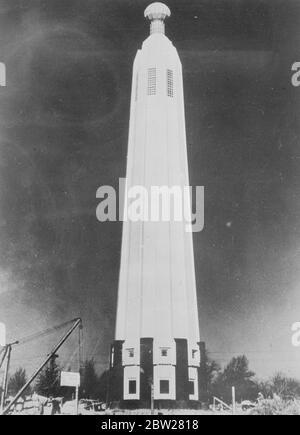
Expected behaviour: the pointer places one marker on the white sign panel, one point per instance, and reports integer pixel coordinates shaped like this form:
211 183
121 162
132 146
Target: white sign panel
69 379
2 334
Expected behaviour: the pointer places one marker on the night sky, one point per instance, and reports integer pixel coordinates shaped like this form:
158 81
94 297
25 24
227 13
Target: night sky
63 133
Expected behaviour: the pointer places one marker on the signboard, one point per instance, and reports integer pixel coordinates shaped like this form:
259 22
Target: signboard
2 334
69 379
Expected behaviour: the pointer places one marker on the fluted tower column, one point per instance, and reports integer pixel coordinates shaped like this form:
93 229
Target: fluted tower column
157 326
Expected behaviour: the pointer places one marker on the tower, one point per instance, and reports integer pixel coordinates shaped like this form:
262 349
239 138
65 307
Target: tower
156 348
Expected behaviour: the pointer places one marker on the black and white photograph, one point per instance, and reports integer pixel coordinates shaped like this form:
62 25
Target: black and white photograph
149 210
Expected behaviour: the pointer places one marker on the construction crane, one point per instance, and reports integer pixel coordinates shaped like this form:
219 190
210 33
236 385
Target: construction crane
6 354
76 323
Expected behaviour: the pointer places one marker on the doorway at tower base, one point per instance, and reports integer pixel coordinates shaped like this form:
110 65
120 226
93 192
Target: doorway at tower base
168 374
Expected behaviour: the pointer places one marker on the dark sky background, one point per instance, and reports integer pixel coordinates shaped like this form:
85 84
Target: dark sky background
63 133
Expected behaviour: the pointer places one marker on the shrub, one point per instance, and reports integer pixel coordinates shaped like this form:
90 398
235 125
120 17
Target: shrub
277 407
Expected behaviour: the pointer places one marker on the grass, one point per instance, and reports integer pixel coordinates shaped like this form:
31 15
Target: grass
277 407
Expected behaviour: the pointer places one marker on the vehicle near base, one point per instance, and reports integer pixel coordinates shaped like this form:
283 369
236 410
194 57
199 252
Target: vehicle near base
247 404
85 407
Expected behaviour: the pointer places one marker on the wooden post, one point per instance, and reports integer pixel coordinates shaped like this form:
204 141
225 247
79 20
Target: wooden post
5 378
152 398
233 400
76 400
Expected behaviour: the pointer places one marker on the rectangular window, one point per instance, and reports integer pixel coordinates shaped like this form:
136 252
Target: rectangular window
170 83
164 386
191 387
194 353
132 386
164 351
152 81
130 352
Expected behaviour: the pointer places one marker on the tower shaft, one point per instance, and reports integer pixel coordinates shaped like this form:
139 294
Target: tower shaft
157 327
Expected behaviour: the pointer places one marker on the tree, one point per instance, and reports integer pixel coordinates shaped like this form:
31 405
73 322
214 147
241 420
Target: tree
48 382
90 381
265 388
103 385
236 374
17 381
210 369
284 386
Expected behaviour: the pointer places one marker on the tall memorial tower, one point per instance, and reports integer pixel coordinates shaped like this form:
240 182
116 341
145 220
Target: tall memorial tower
156 350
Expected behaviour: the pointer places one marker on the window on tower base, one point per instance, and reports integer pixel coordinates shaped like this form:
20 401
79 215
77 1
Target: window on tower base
164 351
130 353
191 387
164 386
132 386
194 353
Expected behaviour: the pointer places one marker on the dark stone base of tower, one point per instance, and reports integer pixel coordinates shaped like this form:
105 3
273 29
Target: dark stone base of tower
116 379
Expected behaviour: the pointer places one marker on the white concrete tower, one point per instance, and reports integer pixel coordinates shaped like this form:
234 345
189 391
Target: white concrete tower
157 327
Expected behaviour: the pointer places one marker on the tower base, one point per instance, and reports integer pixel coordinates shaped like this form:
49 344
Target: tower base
145 380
